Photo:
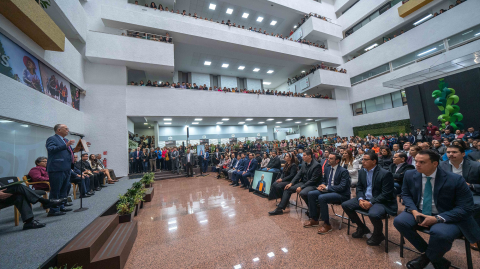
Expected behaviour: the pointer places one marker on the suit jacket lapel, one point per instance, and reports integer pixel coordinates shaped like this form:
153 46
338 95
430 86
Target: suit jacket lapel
374 177
336 174
465 169
448 166
418 186
440 179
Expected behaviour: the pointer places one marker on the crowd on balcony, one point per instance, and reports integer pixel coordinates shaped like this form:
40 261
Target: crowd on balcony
305 18
235 25
313 69
204 87
147 36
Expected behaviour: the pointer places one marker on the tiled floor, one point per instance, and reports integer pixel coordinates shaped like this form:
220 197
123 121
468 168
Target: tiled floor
205 223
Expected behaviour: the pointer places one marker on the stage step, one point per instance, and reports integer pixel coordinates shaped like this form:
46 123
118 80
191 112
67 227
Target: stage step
114 253
84 246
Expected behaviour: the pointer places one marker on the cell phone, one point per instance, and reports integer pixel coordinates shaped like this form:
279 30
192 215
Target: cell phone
420 219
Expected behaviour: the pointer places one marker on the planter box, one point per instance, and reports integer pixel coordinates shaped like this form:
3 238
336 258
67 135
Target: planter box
126 218
136 210
141 204
149 194
148 186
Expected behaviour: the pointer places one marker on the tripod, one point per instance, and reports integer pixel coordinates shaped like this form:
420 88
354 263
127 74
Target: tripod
81 168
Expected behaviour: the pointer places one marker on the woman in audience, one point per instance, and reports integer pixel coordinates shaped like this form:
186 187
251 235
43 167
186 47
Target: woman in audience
223 162
168 160
39 173
152 5
265 161
288 173
149 83
142 83
413 152
352 165
385 158
94 163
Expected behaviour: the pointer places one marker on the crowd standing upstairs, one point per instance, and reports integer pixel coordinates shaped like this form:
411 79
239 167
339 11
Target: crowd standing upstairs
312 70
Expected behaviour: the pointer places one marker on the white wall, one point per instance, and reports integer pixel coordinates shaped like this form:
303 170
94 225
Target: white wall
201 79
130 126
145 132
309 130
70 17
210 132
344 113
394 114
254 84
229 82
359 12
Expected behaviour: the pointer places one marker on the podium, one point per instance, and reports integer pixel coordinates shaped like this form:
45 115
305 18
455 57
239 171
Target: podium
81 147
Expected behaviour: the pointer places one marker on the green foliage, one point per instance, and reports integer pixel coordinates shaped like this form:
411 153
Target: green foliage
392 127
43 3
444 98
132 144
148 178
125 205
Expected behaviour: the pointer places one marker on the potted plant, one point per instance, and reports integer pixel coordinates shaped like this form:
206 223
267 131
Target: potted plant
148 179
125 209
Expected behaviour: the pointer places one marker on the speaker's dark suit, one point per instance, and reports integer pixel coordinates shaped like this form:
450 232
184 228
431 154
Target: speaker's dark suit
59 165
454 203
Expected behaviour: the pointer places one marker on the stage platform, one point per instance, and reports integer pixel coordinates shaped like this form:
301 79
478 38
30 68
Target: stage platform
33 248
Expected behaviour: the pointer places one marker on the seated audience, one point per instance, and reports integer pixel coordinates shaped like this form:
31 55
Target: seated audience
96 167
39 173
385 158
288 173
239 167
352 165
398 169
274 164
412 153
84 167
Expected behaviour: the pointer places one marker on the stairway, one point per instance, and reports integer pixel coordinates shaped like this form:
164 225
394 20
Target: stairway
103 244
168 174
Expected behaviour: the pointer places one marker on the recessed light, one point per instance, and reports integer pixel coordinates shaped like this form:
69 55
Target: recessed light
248 119
294 27
278 122
229 11
207 63
241 67
242 122
212 6
269 71
273 23
298 122
225 119
425 52
224 65
371 47
277 126
256 69
167 119
423 19
195 122
260 19
266 83
167 123
245 15
24 125
270 119
261 122
303 71
309 119
220 122
198 119
288 119
145 123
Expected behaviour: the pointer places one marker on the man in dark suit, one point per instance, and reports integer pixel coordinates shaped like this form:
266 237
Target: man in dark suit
188 163
249 171
175 161
306 180
59 165
449 128
137 160
237 174
274 164
96 176
398 168
334 188
236 165
471 134
440 201
475 154
81 180
205 157
375 194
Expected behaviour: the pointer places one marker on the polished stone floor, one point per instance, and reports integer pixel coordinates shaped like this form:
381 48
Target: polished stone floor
205 223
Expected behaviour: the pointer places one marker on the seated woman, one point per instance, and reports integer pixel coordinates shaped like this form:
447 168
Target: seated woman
286 176
223 166
39 173
93 163
265 161
352 165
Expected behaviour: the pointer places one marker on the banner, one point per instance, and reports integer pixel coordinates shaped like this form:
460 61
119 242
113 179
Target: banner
23 67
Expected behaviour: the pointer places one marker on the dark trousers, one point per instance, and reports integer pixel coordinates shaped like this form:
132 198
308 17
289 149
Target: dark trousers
59 184
323 199
236 176
244 179
288 193
99 178
189 169
138 167
82 183
130 167
145 166
22 198
204 166
375 213
441 239
476 209
158 164
277 189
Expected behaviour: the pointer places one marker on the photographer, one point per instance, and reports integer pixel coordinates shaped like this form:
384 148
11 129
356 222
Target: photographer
431 130
419 136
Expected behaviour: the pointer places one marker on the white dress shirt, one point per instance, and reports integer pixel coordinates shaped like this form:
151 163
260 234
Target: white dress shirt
424 181
459 170
398 166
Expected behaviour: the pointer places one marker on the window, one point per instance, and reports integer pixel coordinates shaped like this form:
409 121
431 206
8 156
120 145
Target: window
370 18
379 103
350 7
374 72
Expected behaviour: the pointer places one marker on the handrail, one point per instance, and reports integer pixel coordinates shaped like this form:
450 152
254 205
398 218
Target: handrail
125 32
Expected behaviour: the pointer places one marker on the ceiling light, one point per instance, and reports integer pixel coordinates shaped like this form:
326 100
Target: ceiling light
256 259
278 122
477 34
309 119
245 15
229 11
266 83
220 122
145 123
270 119
198 119
277 126
224 65
261 122
288 119
271 254
24 125
294 27
248 119
260 19
273 23
212 6
269 71
303 71
225 119
371 47
167 123
196 122
423 19
241 67
167 119
425 52
298 122
5 121
207 63
242 122
256 69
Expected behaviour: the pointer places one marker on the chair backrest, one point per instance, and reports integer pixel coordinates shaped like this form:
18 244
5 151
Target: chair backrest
8 180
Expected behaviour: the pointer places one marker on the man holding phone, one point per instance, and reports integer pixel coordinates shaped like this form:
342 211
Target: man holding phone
440 201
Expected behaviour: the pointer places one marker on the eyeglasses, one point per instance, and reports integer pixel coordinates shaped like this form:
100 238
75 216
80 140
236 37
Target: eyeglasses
43 161
366 159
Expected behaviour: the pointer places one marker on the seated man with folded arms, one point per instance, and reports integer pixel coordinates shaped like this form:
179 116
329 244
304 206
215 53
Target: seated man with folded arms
375 195
239 166
305 180
274 164
440 201
39 173
470 171
288 173
22 197
334 188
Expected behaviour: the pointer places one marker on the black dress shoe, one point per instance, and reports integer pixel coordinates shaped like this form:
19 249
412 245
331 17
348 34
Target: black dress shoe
68 204
236 185
375 240
98 189
442 264
231 184
91 193
418 263
34 224
65 209
360 232
54 203
54 214
277 211
103 186
84 196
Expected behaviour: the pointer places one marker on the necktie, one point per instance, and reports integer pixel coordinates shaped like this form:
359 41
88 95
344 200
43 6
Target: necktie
330 178
427 198
249 165
69 149
323 166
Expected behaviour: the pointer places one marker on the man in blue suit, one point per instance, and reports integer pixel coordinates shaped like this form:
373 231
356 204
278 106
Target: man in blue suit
205 157
238 172
440 201
249 171
59 165
334 188
137 160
